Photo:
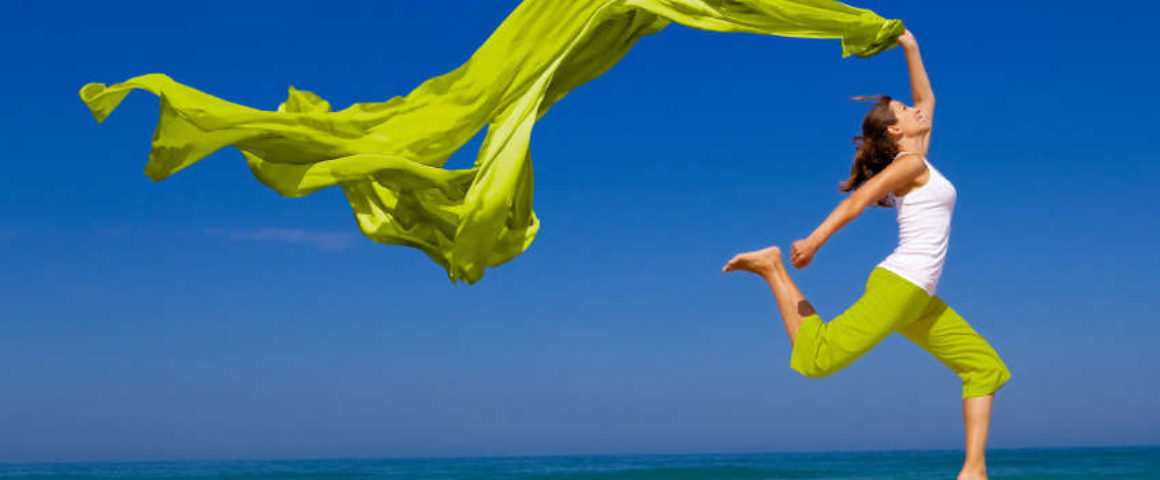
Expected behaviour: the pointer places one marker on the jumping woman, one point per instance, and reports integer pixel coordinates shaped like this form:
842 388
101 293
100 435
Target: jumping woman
891 170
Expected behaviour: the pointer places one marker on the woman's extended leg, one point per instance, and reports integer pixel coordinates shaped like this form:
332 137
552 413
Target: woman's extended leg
790 301
946 335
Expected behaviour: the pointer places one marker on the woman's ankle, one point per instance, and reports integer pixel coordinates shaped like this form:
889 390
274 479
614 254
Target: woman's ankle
975 467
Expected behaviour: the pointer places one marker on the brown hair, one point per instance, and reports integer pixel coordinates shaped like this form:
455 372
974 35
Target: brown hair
876 150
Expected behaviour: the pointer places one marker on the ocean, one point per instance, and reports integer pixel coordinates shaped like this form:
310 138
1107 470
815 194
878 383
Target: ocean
1024 464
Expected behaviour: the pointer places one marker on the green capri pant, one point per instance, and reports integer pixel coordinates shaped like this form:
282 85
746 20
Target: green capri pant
892 303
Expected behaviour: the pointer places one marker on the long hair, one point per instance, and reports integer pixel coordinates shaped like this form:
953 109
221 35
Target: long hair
875 149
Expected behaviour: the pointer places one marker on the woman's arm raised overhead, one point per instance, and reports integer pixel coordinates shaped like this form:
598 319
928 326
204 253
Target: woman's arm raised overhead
920 88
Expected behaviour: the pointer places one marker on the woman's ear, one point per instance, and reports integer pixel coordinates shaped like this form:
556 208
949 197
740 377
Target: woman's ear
894 130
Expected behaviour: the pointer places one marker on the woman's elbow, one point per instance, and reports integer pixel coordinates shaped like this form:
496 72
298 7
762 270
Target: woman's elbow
854 206
926 102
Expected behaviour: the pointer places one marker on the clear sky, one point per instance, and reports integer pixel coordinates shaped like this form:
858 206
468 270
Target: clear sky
207 317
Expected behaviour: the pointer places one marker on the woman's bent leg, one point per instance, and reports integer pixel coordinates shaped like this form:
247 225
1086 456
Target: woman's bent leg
889 302
790 301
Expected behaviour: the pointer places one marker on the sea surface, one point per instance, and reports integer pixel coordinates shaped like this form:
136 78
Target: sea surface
1025 464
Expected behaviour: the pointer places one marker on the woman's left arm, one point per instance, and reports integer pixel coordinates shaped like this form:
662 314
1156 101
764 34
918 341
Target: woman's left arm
920 88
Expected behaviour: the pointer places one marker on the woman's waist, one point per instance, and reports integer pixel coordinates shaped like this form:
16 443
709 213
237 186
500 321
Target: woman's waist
925 266
918 255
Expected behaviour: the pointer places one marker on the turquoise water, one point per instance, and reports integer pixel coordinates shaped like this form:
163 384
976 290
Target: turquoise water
1024 464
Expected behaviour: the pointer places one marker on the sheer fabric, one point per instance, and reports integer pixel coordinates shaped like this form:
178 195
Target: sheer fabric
388 156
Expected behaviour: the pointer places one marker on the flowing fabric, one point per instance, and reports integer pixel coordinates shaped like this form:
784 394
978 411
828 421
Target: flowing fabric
388 156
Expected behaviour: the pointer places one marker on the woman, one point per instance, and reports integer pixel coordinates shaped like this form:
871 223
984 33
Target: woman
891 169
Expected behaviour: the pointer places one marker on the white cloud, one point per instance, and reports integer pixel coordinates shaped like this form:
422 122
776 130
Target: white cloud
323 240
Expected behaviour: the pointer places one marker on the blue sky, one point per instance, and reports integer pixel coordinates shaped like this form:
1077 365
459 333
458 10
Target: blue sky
206 317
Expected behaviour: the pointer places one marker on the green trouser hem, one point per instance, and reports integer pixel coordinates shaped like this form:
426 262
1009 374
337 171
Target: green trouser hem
802 357
980 388
976 391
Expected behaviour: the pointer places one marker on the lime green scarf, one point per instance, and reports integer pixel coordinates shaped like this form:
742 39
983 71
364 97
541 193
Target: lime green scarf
388 156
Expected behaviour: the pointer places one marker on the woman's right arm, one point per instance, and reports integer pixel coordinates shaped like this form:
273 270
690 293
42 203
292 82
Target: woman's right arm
899 173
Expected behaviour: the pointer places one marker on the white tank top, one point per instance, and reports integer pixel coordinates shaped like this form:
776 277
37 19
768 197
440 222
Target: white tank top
924 228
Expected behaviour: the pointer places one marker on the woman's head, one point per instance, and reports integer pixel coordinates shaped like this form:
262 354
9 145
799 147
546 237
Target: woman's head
886 125
912 122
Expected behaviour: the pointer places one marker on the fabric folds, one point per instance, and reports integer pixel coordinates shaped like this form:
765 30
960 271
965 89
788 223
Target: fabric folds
388 156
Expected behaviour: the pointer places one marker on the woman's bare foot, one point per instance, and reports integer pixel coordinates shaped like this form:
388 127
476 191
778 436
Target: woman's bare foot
972 474
764 262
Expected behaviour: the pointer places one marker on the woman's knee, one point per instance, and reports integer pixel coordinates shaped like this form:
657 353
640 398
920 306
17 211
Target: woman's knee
986 381
814 370
820 350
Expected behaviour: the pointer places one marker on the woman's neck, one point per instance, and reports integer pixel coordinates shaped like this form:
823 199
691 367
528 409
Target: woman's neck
913 145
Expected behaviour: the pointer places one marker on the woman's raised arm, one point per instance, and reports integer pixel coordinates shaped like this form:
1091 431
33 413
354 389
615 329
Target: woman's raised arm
919 83
920 89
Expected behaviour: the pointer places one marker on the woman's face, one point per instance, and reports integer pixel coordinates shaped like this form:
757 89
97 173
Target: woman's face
912 122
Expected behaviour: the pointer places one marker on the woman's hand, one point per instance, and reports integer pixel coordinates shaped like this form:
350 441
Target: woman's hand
801 253
907 40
